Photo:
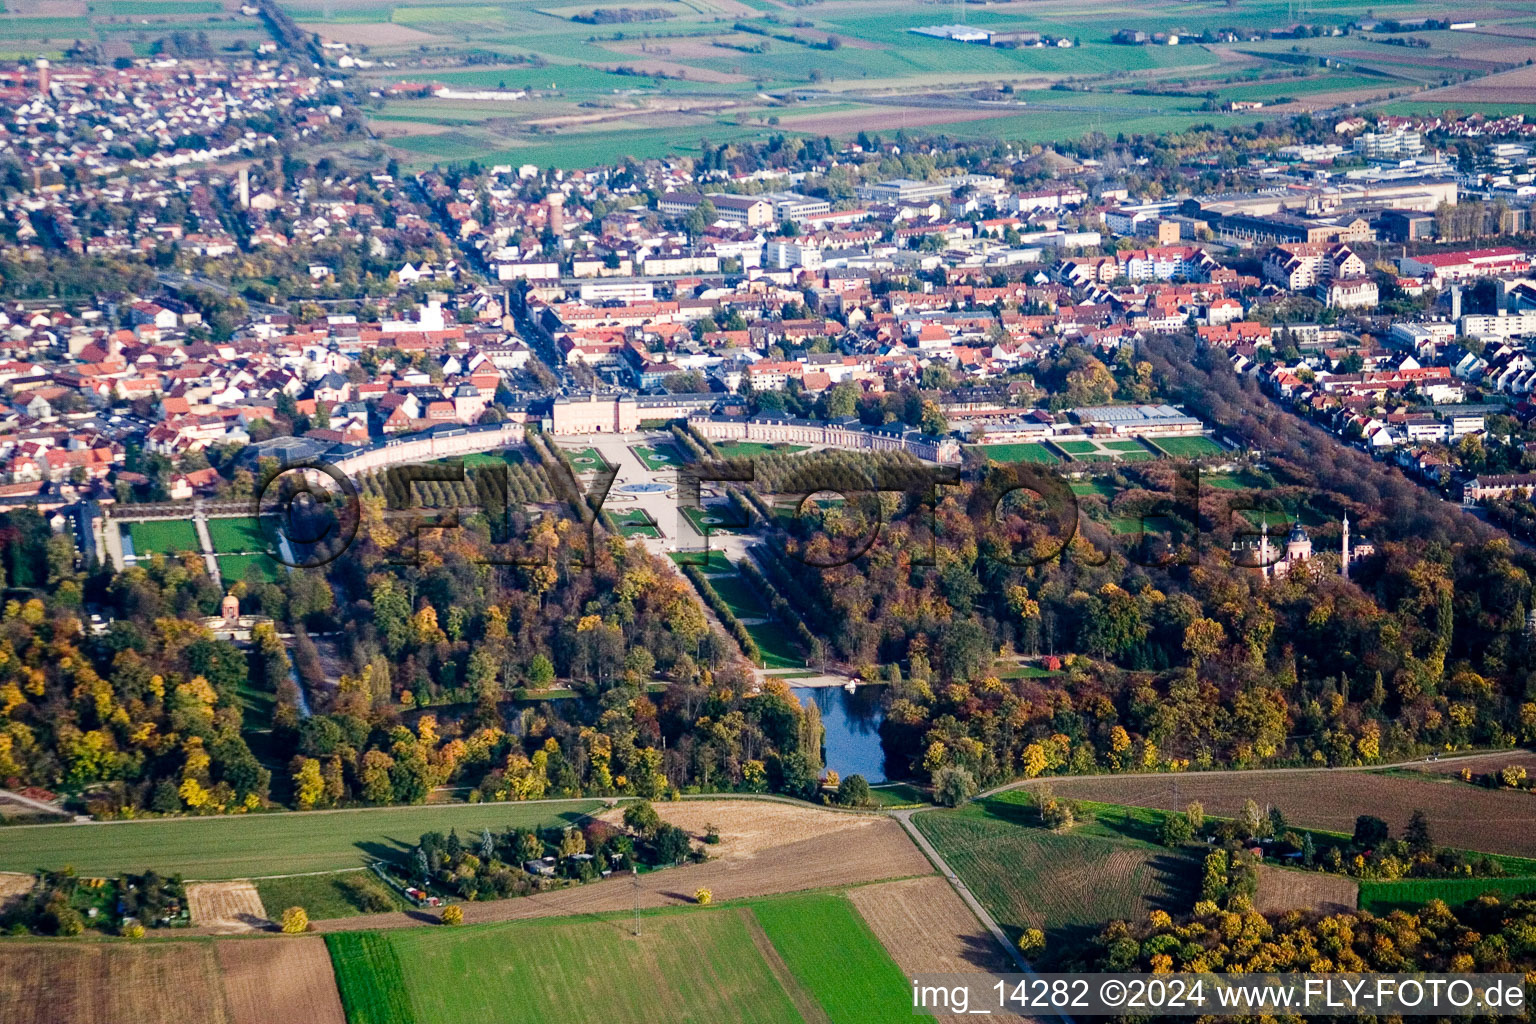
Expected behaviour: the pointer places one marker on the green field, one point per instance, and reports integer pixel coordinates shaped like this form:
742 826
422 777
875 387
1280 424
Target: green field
249 846
167 536
777 644
235 568
743 601
635 522
241 534
751 449
369 978
1195 447
774 961
658 457
1028 451
805 929
1067 884
323 897
1409 893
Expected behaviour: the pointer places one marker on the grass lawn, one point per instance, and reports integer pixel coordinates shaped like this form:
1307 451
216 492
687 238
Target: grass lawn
748 449
241 533
167 536
1103 488
777 644
834 954
739 597
1195 447
692 964
237 567
1026 452
712 561
322 896
249 846
898 794
1231 481
639 530
658 457
1077 447
586 460
712 517
1067 884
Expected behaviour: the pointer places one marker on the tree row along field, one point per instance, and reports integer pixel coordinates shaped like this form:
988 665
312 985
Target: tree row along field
252 846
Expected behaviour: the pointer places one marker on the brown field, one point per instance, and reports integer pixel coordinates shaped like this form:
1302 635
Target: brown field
47 8
278 981
13 884
1282 889
1420 59
380 33
926 927
803 852
226 907
1491 821
110 983
885 118
1481 763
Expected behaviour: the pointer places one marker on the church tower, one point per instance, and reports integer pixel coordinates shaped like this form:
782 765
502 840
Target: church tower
1344 550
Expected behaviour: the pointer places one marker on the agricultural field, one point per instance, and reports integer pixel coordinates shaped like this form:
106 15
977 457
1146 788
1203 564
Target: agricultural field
44 28
51 981
251 846
1485 820
166 536
805 958
1409 893
277 981
227 907
731 71
1028 451
322 896
1282 889
1066 884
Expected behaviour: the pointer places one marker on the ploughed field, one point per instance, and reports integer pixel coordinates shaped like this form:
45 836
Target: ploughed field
1461 816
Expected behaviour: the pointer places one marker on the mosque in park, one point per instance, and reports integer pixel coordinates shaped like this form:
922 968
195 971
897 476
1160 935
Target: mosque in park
1296 556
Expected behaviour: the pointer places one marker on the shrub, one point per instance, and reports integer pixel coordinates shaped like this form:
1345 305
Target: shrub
133 930
954 786
853 792
295 921
1175 830
703 897
1032 941
453 915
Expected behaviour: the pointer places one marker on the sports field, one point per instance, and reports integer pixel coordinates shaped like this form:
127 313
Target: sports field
250 846
1196 447
1028 451
167 536
807 958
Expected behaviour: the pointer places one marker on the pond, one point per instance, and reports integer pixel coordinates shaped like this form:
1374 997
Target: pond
852 724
